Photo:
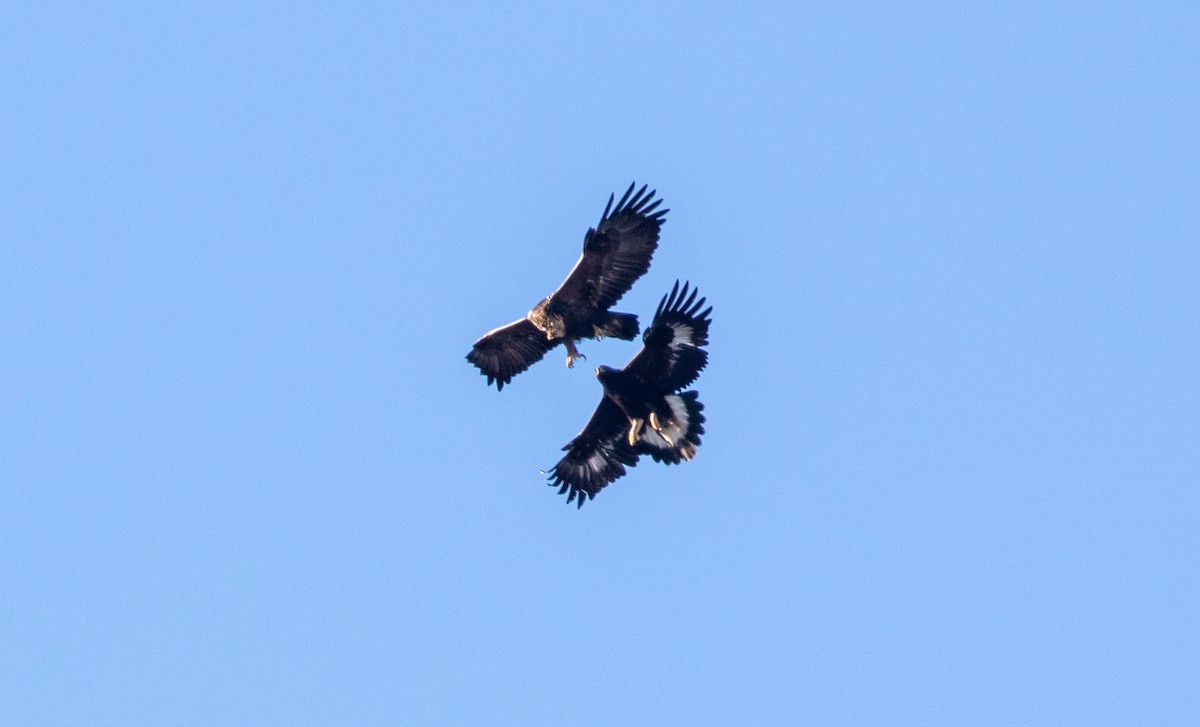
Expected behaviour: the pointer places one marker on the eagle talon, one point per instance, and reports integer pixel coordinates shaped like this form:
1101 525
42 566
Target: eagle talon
635 430
656 425
572 354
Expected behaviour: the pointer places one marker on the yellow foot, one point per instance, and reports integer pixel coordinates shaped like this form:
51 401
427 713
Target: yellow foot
572 354
657 426
635 430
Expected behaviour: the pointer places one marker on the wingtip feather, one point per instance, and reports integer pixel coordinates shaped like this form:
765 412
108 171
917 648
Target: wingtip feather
624 198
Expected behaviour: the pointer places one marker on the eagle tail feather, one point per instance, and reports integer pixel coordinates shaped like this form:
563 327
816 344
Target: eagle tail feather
619 325
681 422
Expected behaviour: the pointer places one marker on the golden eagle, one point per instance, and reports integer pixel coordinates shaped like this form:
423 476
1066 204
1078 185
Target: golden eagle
642 410
616 252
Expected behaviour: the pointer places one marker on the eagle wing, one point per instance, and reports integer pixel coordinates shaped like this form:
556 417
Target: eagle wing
617 251
506 351
596 456
671 357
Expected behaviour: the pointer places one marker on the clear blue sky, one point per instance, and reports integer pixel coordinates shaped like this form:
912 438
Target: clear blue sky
951 470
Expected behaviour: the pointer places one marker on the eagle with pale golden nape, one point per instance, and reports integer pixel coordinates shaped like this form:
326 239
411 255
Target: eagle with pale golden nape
642 410
616 252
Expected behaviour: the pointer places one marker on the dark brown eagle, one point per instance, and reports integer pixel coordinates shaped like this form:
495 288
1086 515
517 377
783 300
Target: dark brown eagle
616 252
643 411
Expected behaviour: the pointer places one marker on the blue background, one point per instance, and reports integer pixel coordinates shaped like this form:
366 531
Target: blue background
951 470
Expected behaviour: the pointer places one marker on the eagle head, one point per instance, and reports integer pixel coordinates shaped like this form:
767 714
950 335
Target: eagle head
604 373
552 324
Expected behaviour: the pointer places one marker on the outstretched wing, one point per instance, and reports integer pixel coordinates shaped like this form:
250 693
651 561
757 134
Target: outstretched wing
616 252
671 356
506 351
596 456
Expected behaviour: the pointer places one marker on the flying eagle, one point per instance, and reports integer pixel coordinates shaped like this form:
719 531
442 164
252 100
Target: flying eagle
616 252
642 410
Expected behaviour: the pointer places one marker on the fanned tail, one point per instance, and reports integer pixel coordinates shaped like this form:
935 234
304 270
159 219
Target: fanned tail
619 325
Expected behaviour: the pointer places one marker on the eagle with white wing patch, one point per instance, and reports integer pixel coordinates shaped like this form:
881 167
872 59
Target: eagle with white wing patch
616 252
643 410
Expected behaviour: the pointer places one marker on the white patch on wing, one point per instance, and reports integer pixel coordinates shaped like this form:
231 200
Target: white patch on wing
596 462
684 336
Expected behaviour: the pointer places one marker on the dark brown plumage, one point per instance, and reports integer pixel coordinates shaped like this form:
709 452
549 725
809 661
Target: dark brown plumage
642 410
615 254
